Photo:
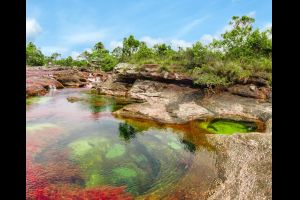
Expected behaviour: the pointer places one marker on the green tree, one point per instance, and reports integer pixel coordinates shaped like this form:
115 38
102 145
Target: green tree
130 46
34 56
233 41
143 52
117 53
162 49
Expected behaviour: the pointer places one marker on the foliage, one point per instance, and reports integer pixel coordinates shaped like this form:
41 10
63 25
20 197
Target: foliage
34 56
240 52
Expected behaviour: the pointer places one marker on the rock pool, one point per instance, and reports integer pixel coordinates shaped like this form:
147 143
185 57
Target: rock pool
76 146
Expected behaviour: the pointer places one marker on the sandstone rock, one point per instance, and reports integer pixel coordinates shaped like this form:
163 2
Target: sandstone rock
166 103
74 99
256 80
244 163
109 86
226 105
70 78
130 73
250 91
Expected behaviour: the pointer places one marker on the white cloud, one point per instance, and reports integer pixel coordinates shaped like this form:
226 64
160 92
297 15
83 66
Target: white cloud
251 14
207 38
32 29
48 50
180 43
267 26
86 37
114 44
75 54
89 50
190 26
152 41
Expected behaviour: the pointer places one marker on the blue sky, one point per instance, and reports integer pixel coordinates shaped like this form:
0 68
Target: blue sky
72 26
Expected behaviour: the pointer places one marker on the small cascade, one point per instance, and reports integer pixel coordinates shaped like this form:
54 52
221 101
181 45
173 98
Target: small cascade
89 85
52 87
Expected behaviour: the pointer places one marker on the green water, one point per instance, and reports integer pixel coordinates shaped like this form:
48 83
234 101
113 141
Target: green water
223 126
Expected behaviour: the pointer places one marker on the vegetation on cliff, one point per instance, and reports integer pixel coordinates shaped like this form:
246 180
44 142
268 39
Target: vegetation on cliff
240 53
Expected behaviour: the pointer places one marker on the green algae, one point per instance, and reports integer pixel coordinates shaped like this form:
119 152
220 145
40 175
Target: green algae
124 172
80 147
95 180
174 145
228 126
38 127
115 151
37 100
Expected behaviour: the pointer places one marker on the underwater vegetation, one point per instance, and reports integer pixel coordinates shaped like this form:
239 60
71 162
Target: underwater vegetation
139 164
100 103
224 126
37 99
67 192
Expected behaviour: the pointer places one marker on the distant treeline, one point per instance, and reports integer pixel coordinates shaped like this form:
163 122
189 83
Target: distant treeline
240 52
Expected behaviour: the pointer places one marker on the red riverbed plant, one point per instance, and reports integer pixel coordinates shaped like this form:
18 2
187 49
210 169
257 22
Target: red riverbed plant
52 192
52 181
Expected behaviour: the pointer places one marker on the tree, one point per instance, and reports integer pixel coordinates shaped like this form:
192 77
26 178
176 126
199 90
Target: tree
130 46
117 53
233 41
143 52
34 56
99 46
54 56
162 49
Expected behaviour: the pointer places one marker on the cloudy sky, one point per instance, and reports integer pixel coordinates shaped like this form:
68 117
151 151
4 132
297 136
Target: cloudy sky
72 26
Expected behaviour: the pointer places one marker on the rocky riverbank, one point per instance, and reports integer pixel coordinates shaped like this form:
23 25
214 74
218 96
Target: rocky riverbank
244 160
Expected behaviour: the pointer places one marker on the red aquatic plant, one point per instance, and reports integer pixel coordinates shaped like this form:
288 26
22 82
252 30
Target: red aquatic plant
68 192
